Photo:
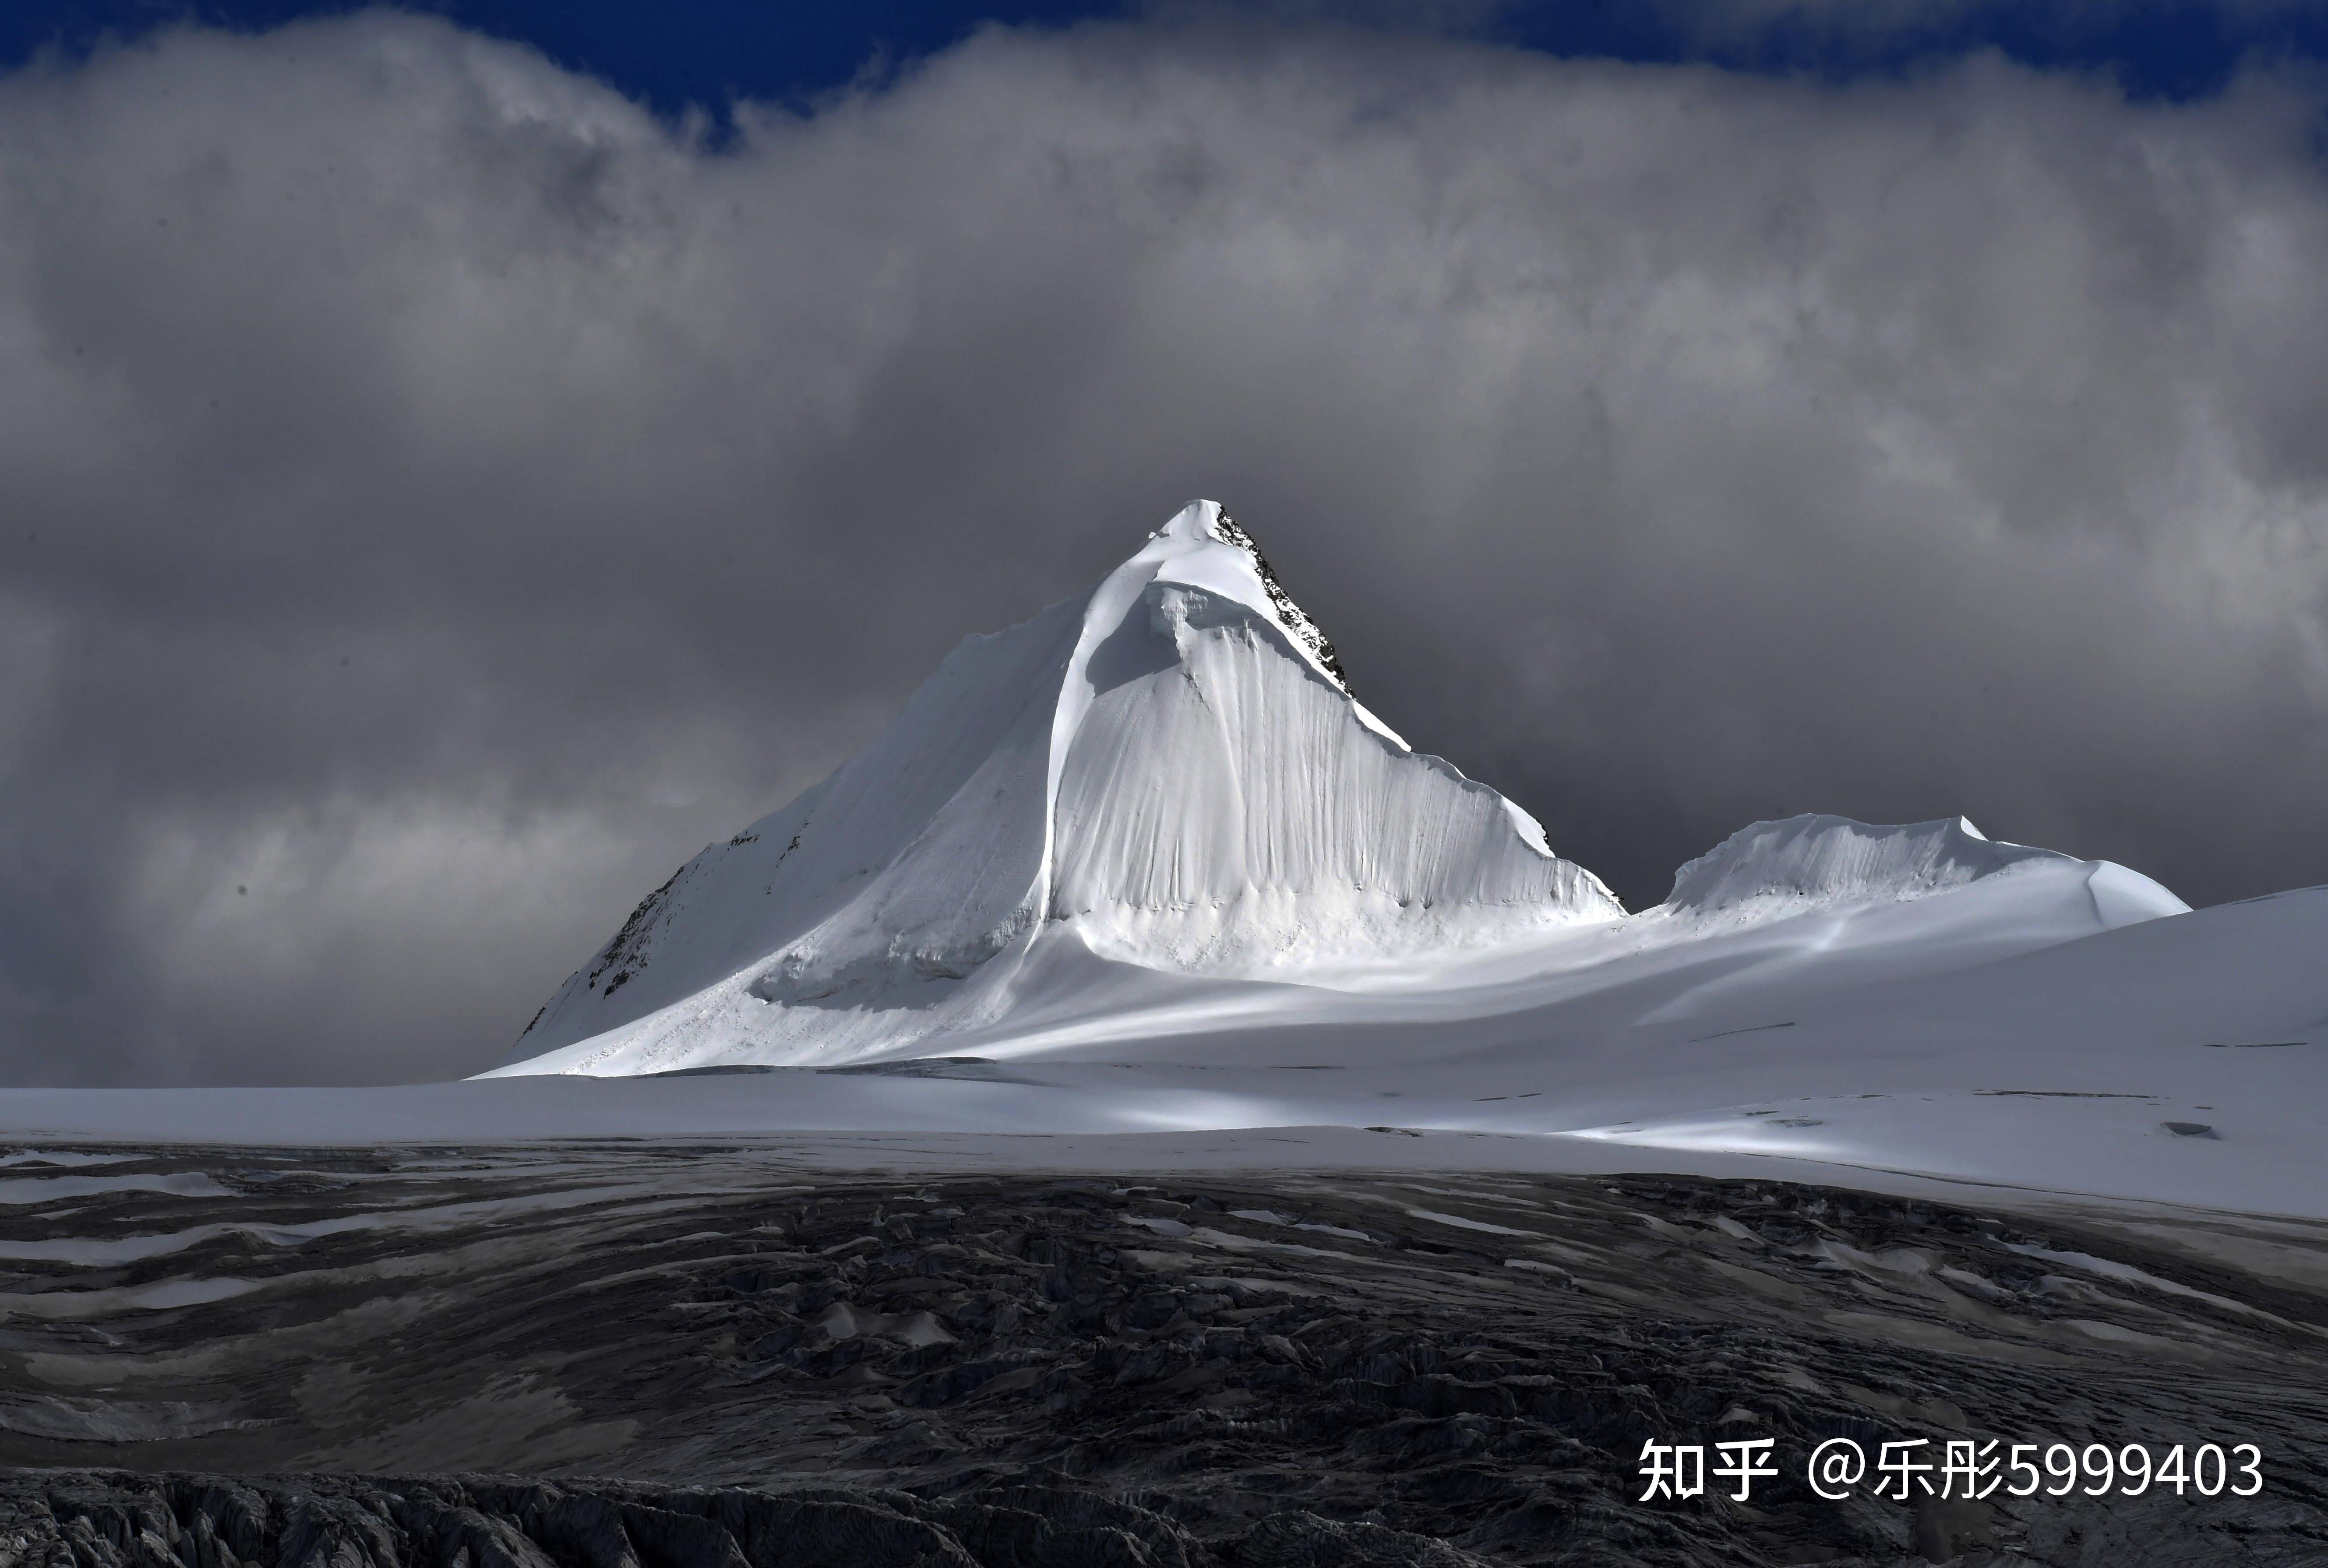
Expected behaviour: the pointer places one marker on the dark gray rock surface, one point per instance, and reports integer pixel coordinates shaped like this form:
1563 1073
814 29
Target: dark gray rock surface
67 1519
646 1356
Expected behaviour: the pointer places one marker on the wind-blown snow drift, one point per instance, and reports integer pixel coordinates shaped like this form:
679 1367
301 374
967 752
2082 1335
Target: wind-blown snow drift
1169 774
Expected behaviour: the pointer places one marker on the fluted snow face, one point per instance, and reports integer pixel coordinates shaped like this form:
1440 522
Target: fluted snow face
1224 808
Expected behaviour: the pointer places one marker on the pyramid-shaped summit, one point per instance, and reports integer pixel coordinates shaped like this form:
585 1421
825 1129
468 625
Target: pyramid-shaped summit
1166 777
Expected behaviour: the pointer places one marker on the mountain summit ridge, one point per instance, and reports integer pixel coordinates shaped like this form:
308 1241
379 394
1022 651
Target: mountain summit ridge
1162 794
1291 615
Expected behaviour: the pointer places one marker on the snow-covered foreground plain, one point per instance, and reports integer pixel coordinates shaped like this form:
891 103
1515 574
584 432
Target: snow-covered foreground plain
2179 1059
1138 885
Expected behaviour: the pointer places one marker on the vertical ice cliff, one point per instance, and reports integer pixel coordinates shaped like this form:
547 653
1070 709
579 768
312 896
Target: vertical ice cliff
1170 771
1223 803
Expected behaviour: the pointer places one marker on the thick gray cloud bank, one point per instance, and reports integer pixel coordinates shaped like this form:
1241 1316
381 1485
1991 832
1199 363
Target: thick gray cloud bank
435 499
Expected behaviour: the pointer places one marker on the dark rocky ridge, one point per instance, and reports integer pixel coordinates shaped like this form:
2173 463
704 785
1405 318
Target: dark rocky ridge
784 1367
123 1520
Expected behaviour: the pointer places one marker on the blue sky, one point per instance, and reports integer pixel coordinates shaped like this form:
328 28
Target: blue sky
677 52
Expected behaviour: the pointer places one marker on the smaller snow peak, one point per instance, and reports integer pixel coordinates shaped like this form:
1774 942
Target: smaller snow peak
1834 861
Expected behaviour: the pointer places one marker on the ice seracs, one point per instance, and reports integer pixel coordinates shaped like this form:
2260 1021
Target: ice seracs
1774 869
1169 773
1823 859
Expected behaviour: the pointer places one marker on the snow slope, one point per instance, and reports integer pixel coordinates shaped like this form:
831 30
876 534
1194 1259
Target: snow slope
2182 1060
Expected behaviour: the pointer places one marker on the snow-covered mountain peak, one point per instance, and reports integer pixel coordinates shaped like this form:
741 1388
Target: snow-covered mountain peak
1169 773
1198 522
